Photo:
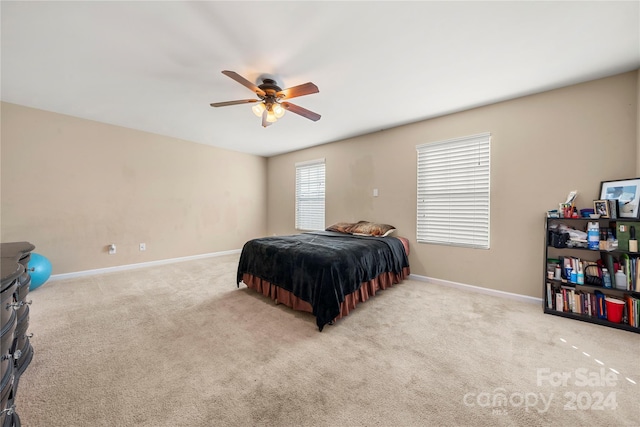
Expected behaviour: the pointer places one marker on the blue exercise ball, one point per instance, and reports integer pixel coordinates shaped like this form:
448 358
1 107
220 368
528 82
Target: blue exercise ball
39 269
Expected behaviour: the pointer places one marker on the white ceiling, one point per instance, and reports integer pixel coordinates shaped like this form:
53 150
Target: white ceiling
156 66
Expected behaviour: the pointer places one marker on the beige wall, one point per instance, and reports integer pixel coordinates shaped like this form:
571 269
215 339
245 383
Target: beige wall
543 146
72 186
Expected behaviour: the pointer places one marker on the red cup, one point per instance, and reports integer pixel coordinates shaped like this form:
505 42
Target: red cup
615 307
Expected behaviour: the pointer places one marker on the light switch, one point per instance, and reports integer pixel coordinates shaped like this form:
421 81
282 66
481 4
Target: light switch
375 192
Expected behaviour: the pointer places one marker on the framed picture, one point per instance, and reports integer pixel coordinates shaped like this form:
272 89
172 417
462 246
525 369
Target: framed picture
601 207
626 192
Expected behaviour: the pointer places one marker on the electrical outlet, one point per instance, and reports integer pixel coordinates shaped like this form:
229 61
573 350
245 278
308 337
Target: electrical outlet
112 249
143 246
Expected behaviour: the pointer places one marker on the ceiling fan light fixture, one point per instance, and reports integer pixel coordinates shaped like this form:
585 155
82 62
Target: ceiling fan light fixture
278 111
258 109
271 117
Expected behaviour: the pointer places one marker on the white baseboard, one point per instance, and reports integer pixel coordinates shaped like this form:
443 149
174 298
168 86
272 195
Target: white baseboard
494 292
140 265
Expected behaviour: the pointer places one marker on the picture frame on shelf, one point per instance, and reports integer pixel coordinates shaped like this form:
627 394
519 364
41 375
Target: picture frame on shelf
601 207
627 194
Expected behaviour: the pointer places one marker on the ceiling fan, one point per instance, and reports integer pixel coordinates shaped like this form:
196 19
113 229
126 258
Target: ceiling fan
271 107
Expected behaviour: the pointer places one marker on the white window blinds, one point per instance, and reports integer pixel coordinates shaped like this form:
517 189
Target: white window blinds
453 192
310 195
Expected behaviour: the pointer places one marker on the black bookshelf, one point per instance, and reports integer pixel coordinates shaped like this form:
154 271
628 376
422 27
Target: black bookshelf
586 254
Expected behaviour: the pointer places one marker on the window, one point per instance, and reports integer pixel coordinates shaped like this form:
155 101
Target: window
453 192
310 195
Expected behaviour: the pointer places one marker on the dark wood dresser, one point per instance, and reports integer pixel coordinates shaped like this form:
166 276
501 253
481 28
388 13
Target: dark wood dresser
16 352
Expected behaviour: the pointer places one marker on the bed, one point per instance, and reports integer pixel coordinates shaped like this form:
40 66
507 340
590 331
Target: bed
326 273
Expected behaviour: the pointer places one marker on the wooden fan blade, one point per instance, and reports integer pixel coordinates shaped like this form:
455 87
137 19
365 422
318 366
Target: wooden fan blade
237 77
242 101
300 90
301 111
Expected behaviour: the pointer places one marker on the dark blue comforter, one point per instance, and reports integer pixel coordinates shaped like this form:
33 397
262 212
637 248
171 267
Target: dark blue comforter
321 267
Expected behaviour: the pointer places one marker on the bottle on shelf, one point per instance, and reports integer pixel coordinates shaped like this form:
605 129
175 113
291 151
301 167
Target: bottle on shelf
580 275
633 243
606 279
621 280
593 235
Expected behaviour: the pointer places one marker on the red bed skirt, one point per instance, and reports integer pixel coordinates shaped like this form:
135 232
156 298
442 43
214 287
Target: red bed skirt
367 290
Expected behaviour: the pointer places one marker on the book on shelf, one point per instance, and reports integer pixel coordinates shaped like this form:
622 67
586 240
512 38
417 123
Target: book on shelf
632 307
570 300
601 305
633 277
559 302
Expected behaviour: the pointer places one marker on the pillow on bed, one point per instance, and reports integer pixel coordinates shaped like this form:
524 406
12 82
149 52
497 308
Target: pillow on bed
341 227
366 228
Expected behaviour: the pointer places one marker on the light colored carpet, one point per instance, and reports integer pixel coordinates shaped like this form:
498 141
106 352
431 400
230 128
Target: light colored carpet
180 345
